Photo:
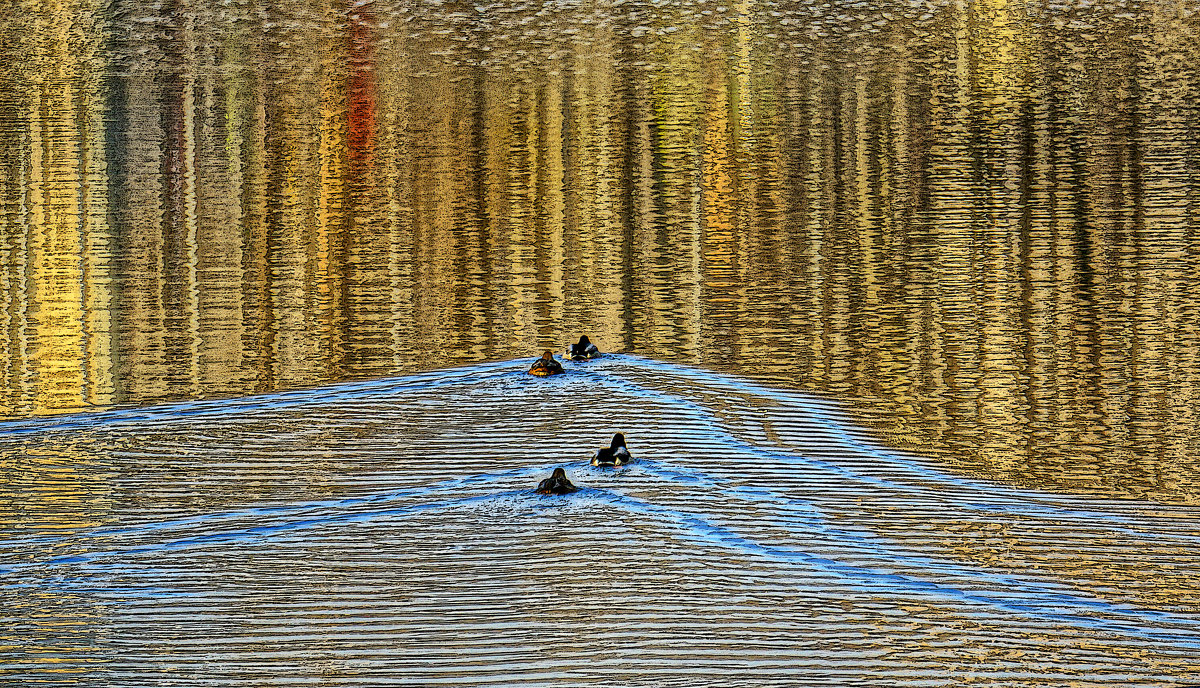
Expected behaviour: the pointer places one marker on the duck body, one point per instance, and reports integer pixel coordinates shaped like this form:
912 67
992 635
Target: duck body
557 484
582 351
616 454
546 365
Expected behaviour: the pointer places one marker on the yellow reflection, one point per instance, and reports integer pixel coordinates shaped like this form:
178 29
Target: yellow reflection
63 289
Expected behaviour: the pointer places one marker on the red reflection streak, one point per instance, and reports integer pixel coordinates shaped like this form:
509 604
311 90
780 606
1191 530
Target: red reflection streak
361 102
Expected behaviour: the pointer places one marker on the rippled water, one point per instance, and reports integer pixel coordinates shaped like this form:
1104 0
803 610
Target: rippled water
902 295
387 532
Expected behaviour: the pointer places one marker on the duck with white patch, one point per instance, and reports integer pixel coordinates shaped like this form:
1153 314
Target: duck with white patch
582 351
616 454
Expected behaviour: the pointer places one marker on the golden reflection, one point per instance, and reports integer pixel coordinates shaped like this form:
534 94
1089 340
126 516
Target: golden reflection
974 223
57 280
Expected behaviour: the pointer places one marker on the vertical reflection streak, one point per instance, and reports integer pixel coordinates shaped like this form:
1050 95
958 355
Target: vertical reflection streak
190 238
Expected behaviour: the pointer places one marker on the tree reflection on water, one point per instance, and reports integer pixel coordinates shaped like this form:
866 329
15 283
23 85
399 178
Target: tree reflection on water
976 223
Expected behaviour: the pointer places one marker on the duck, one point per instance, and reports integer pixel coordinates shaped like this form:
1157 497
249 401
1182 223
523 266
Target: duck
546 365
616 454
582 351
557 484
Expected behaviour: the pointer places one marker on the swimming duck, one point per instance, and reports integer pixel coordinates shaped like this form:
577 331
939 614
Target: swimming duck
546 365
615 454
583 350
556 484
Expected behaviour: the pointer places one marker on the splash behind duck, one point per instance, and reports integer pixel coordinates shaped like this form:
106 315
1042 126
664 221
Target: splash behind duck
546 365
582 351
616 454
556 484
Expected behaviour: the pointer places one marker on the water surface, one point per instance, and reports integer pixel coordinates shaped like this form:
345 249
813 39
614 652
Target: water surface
387 533
976 219
903 292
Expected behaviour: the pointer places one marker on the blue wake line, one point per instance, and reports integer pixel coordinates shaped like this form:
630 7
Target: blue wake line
704 530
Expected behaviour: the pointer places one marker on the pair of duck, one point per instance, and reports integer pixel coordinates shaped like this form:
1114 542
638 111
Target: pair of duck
546 365
615 454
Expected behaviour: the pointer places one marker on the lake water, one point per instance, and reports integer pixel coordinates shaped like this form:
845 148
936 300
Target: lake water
901 300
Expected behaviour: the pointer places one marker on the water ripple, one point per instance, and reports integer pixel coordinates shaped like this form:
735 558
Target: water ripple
401 511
